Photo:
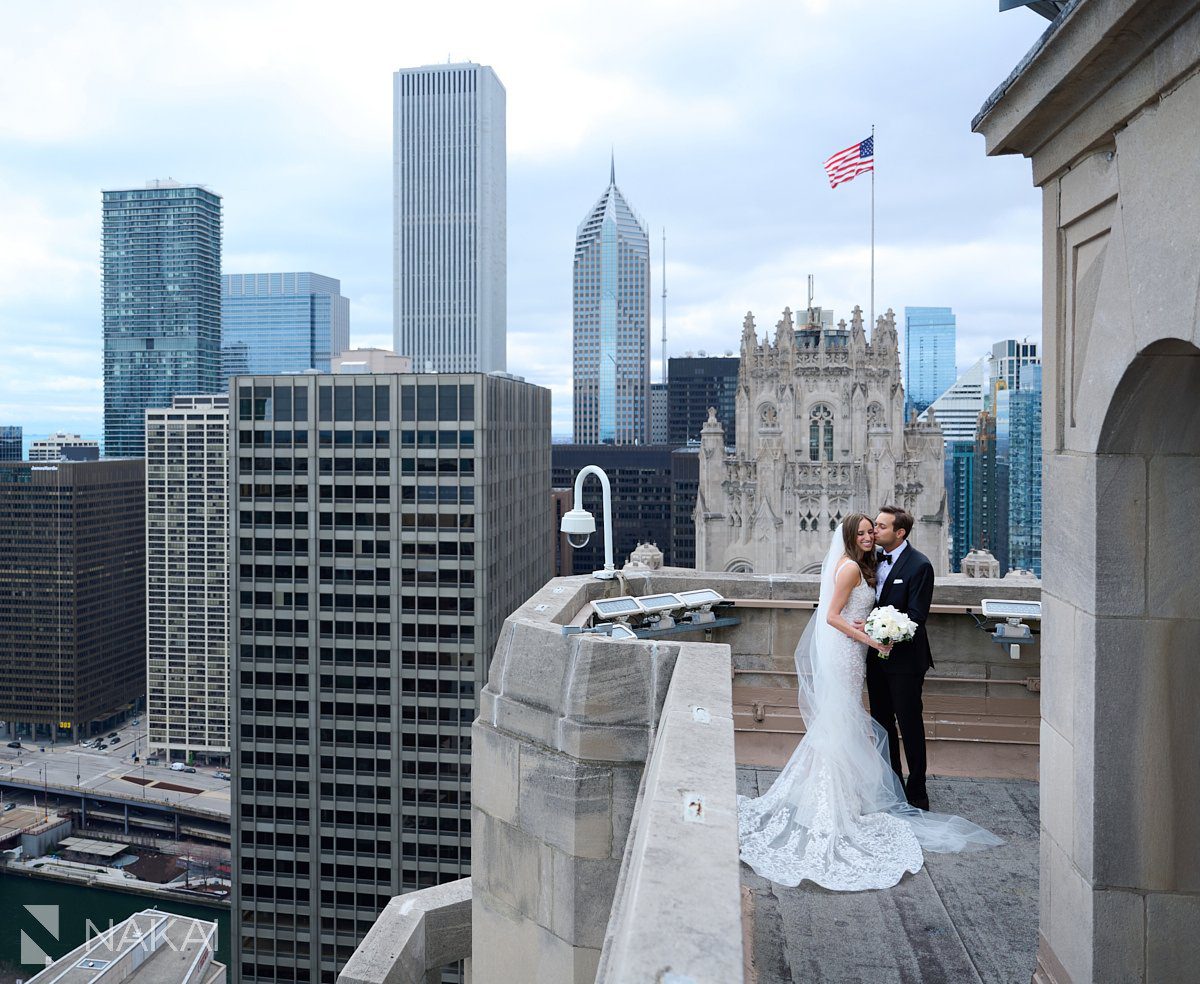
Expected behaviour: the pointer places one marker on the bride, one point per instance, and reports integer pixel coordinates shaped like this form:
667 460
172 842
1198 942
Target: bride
836 815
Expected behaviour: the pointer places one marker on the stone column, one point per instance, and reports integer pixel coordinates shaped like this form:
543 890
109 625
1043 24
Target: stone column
565 726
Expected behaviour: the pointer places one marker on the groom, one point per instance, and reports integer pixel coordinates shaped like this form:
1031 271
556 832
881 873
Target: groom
905 581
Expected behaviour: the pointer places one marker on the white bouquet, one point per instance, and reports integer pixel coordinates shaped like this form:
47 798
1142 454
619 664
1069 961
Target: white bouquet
887 626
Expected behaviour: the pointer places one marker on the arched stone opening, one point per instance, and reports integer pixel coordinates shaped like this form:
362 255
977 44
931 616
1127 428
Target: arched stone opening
1121 688
1146 835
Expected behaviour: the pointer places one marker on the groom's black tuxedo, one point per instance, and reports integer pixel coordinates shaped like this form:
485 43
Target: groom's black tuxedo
894 684
909 588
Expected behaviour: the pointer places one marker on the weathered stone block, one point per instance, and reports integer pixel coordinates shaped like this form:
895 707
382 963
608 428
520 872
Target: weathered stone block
510 950
1147 779
1084 742
626 780
509 865
524 720
612 682
1070 913
603 744
1069 569
1119 921
1174 504
535 665
1172 938
1120 577
565 803
1056 775
582 898
1057 665
495 772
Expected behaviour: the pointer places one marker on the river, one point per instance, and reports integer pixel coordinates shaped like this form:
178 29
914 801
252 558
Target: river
77 904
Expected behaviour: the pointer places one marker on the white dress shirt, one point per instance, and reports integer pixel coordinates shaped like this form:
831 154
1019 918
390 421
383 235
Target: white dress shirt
881 574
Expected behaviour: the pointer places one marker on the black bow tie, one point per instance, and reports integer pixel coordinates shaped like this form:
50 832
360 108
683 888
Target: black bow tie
886 558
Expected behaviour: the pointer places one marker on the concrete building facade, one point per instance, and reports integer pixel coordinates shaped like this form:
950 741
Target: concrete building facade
385 526
820 435
187 579
64 447
72 595
1105 107
450 218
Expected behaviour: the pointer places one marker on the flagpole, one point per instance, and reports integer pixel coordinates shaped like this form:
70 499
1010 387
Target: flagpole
872 230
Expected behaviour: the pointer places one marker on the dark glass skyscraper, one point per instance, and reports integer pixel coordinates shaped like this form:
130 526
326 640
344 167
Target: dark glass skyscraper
11 444
162 304
1025 471
694 385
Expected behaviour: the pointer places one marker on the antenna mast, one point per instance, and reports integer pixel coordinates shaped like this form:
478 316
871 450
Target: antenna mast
664 305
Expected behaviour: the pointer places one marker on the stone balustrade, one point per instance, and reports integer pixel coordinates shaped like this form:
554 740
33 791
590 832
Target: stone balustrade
414 937
677 902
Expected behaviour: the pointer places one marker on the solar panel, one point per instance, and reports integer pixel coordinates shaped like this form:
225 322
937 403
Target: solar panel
660 602
701 596
616 607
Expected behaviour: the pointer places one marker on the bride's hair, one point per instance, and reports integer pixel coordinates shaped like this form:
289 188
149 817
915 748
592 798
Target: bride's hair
866 560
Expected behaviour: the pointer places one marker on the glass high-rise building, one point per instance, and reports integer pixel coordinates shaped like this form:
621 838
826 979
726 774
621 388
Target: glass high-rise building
281 322
449 186
695 384
1008 359
1025 471
929 369
162 304
11 443
611 337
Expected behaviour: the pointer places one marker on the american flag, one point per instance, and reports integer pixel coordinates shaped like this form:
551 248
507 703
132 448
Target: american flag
851 162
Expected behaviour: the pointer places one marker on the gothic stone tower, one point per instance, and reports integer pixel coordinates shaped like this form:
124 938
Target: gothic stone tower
820 434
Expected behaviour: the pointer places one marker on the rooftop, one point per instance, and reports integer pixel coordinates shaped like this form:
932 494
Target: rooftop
604 820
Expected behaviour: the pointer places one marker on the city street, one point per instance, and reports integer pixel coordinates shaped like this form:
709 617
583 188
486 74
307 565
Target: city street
113 771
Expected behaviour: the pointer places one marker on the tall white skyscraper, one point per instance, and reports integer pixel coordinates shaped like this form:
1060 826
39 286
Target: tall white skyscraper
611 336
449 243
187 576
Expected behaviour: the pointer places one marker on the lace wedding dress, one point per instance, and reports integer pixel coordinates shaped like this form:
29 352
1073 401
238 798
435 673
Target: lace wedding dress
836 815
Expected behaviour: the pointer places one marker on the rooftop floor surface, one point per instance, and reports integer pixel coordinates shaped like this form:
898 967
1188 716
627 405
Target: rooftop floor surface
963 918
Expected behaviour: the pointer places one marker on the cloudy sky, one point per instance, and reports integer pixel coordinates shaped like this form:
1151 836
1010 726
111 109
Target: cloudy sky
720 115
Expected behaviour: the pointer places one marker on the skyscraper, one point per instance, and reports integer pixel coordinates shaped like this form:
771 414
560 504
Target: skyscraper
929 343
659 413
386 525
281 322
187 578
695 384
1008 357
162 304
11 443
64 447
957 409
611 337
1025 471
449 187
72 594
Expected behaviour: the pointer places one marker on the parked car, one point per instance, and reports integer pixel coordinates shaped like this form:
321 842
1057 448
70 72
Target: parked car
114 741
177 766
135 722
101 747
14 744
188 768
9 806
221 775
112 734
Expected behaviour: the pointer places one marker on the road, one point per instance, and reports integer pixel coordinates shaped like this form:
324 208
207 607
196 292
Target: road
113 771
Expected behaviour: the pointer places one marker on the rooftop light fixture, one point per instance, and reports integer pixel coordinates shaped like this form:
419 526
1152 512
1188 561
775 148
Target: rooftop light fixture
579 524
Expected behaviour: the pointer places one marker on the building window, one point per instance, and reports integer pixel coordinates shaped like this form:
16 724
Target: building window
820 433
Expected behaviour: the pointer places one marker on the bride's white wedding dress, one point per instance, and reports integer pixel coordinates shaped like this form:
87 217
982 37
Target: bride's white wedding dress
836 815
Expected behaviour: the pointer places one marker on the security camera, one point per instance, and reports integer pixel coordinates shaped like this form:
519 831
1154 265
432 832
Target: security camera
579 525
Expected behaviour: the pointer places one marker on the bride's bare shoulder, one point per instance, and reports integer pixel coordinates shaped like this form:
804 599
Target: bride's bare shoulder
847 571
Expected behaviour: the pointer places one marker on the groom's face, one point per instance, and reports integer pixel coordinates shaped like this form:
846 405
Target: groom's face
885 531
